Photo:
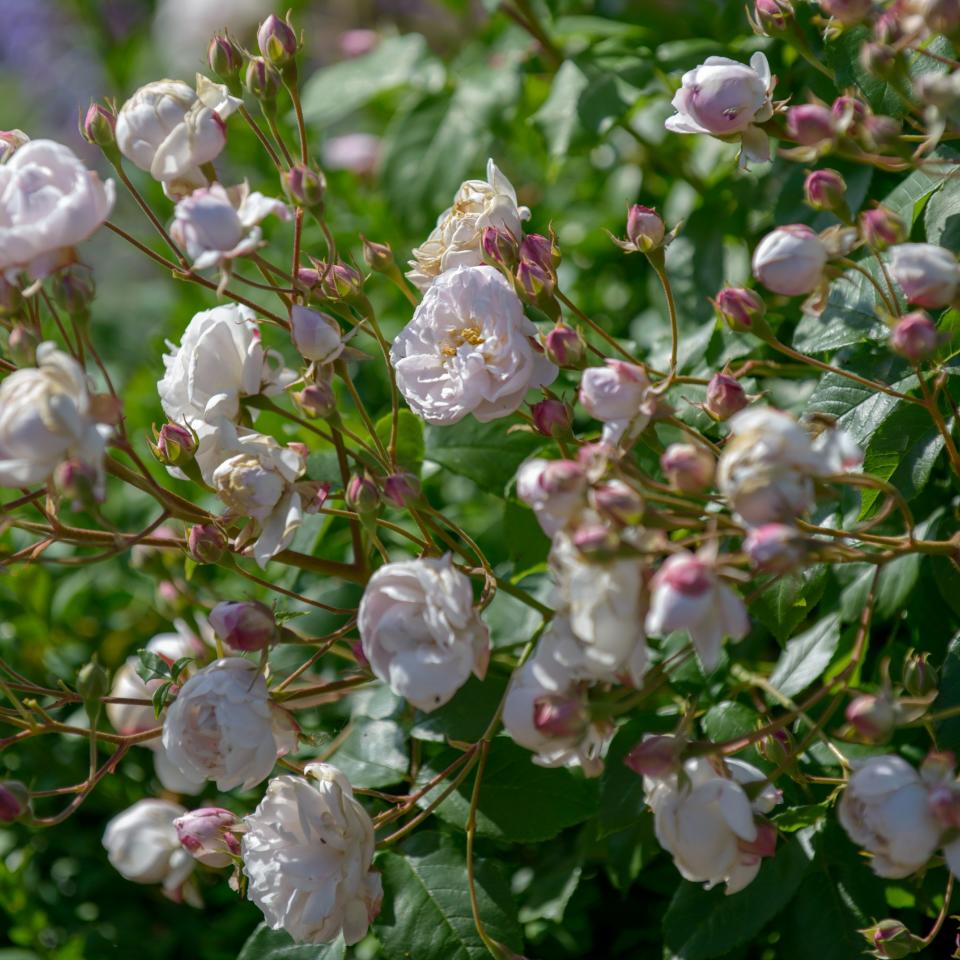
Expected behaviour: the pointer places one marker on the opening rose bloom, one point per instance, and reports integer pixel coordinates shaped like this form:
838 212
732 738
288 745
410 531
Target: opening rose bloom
546 709
49 202
468 349
217 224
45 417
170 131
307 854
142 845
455 241
618 394
223 727
220 359
726 99
556 491
790 260
927 274
686 594
210 835
420 632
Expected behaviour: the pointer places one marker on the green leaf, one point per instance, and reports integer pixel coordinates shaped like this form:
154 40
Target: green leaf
806 656
948 731
796 818
179 666
859 409
483 452
557 117
729 719
159 698
409 439
267 944
426 906
466 716
789 600
622 800
700 924
373 754
151 666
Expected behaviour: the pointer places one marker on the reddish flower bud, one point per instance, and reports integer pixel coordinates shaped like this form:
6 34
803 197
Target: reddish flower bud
919 677
305 187
881 228
77 482
362 495
773 15
225 57
810 124
891 940
777 748
915 336
556 716
261 80
541 250
873 717
848 12
565 347
206 543
317 400
335 282
765 845
377 256
499 248
535 286
595 540
880 133
739 307
848 112
616 501
402 489
210 835
774 548
277 41
244 624
644 228
689 467
14 801
655 756
99 125
175 445
725 397
826 190
561 476
552 417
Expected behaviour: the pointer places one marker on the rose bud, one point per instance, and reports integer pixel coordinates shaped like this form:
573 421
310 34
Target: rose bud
362 495
617 501
790 260
14 801
774 548
689 467
915 336
499 248
644 228
305 187
881 228
99 126
209 835
848 12
552 417
244 624
336 282
206 543
22 346
777 748
377 256
891 940
261 80
810 124
317 400
277 41
401 489
655 756
880 133
175 445
825 190
224 57
739 307
77 482
316 335
772 16
725 397
558 716
565 347
848 112
880 60
873 717
596 541
919 677
541 250
535 286
927 274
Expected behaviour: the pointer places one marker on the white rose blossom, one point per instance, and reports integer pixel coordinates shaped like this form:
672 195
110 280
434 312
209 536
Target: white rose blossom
619 395
170 131
222 726
307 854
217 224
545 709
143 846
455 241
46 417
928 274
49 202
706 821
686 594
468 349
726 99
420 632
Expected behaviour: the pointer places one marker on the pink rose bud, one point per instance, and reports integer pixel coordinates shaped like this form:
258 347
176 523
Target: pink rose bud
499 248
739 307
313 494
615 500
277 40
561 476
596 541
206 543
541 250
881 228
826 190
401 489
316 335
880 133
552 417
915 336
790 260
261 80
689 467
848 12
810 124
644 228
927 274
774 548
175 446
556 716
377 256
337 282
725 396
244 624
77 482
305 187
773 15
873 717
888 25
209 835
14 801
891 940
536 286
317 400
765 844
22 346
362 495
225 57
848 112
565 347
919 677
655 756
777 748
99 125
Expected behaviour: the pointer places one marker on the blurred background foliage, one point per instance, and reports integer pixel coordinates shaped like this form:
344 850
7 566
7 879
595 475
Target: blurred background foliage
404 100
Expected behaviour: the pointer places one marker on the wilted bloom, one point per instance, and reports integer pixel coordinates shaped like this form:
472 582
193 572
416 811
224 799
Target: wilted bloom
790 260
689 467
217 224
316 335
551 417
277 40
775 547
881 228
826 190
307 854
726 99
49 202
686 594
619 395
244 625
142 845
468 350
223 727
810 124
170 131
14 800
211 835
554 489
873 717
739 307
565 347
46 417
206 543
927 274
725 397
455 241
885 809
420 631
